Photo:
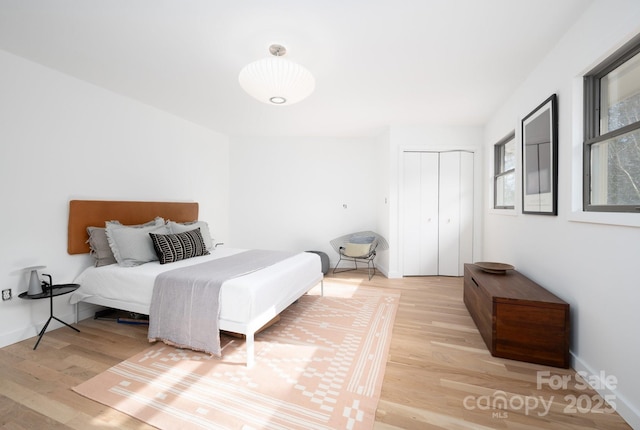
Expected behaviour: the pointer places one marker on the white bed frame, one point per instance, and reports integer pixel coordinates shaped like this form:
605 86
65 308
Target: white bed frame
84 213
248 329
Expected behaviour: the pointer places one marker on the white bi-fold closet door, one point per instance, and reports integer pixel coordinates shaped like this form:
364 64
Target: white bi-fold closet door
437 212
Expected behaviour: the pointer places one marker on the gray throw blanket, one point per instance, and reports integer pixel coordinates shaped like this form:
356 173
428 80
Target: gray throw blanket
185 306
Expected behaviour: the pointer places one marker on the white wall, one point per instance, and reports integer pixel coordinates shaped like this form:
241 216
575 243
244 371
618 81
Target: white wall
590 264
288 193
64 139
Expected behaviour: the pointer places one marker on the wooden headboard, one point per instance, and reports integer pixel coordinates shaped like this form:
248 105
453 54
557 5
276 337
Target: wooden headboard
87 213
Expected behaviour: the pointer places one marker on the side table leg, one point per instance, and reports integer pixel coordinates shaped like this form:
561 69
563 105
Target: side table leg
42 332
59 320
44 329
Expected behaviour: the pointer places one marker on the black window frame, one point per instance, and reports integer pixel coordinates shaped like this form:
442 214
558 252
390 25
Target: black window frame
592 122
498 164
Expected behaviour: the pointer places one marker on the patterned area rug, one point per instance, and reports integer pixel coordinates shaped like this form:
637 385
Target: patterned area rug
320 367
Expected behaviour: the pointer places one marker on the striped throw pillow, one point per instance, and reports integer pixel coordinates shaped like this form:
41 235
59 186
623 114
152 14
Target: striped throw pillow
180 246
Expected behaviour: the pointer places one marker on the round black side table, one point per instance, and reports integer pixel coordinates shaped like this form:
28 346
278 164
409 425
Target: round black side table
50 293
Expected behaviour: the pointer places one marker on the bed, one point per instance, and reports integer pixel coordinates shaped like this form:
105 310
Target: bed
247 302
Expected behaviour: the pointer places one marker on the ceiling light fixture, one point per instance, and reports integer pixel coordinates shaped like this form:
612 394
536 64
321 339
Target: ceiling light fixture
275 80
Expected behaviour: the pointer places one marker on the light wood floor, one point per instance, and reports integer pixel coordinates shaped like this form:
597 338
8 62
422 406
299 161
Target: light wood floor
439 374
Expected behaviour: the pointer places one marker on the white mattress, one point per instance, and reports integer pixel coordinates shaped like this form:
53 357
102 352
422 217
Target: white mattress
241 299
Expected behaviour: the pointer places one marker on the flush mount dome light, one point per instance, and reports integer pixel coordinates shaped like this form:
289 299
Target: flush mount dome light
275 80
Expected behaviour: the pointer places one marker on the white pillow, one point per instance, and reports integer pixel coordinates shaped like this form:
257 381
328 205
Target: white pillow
178 227
132 246
357 249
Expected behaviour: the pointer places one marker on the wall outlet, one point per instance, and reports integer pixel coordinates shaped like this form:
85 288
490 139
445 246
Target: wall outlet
6 294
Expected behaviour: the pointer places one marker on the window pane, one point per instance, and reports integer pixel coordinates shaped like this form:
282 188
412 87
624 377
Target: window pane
506 190
615 170
509 155
504 176
620 96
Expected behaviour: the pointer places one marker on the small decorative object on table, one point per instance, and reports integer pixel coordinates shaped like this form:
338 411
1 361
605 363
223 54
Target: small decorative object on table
35 286
491 267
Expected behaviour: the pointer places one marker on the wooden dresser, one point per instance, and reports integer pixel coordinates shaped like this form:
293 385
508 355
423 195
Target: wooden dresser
517 318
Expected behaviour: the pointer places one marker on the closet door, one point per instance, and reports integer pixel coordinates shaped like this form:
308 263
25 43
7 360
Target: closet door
448 243
456 212
420 250
437 213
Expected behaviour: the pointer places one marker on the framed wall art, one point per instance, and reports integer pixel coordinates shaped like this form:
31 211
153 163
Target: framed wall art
540 159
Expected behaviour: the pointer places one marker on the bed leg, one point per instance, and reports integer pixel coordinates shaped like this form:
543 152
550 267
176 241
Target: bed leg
250 350
322 287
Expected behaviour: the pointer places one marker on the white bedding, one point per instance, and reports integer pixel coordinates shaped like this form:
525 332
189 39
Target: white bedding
243 299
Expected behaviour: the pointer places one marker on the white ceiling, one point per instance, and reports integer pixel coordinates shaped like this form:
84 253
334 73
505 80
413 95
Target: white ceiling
376 62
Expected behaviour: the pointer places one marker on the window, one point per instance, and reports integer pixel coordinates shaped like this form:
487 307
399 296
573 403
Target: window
504 180
612 133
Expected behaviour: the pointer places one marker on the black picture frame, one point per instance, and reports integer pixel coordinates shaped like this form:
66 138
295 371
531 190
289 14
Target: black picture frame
540 159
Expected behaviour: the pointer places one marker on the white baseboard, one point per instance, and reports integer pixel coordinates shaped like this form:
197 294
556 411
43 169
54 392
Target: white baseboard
33 330
15 336
622 405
